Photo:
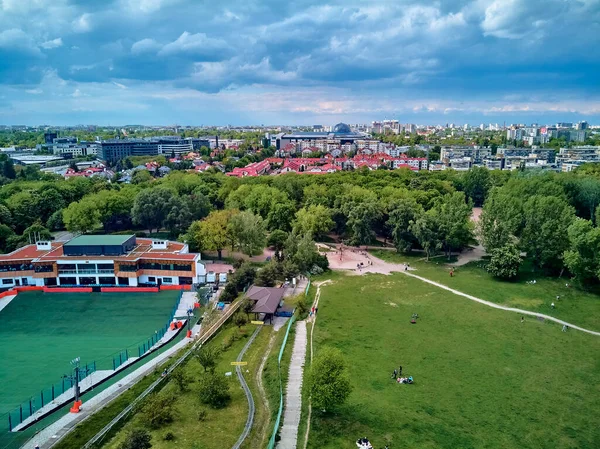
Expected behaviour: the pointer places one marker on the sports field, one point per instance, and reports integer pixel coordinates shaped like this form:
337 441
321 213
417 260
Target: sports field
482 378
41 332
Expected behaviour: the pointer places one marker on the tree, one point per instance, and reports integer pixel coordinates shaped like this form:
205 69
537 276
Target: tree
178 217
505 261
305 256
8 169
151 207
5 216
425 229
501 219
55 222
276 241
452 215
82 216
314 219
248 232
547 220
181 380
247 306
207 357
329 380
212 233
588 195
240 319
583 256
214 390
137 439
267 276
280 216
360 222
5 234
476 184
141 176
158 411
403 212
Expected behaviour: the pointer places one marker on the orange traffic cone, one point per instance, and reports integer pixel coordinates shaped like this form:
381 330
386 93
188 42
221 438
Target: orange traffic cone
76 406
189 333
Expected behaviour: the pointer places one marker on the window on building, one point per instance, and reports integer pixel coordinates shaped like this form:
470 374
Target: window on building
168 280
151 279
7 281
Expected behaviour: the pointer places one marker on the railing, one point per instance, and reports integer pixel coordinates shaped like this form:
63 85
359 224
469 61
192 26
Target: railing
46 396
203 338
271 444
29 407
86 272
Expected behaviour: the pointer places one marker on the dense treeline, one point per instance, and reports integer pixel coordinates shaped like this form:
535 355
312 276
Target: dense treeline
551 217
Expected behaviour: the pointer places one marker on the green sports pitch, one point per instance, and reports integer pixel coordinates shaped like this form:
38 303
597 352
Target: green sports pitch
40 333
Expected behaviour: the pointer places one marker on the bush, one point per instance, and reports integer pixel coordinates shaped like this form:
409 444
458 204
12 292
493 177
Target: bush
329 381
202 415
214 390
505 262
137 439
301 306
240 319
169 436
180 379
158 411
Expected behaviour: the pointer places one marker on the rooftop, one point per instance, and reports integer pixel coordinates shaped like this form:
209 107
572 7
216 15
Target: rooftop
266 299
97 240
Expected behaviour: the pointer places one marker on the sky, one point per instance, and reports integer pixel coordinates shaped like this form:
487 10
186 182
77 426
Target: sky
200 62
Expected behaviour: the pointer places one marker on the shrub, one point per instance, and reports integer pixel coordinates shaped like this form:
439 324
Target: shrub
214 390
137 439
158 411
505 261
180 379
202 415
169 436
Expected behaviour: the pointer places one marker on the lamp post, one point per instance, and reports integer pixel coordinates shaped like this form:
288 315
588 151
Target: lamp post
75 380
189 312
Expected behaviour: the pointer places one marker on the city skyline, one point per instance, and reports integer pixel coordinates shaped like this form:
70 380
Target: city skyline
172 61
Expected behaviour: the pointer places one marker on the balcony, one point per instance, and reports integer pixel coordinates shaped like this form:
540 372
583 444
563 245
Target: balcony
93 271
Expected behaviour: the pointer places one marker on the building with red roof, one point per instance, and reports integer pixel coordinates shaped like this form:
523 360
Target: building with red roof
102 260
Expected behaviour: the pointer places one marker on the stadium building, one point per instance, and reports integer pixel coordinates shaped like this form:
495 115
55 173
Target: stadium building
341 137
104 260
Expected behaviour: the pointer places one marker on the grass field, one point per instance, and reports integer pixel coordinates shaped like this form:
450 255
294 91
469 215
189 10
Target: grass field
40 333
575 305
221 428
482 378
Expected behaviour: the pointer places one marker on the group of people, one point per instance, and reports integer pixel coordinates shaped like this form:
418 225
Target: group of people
364 443
397 375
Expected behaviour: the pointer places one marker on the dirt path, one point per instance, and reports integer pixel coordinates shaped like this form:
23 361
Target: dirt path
383 267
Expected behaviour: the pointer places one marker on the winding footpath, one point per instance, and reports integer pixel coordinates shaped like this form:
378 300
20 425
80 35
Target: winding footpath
251 408
383 267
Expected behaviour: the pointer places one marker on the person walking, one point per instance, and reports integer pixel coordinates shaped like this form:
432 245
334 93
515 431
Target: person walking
552 305
394 374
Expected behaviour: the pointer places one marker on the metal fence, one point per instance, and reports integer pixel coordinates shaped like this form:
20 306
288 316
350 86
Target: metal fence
271 444
27 408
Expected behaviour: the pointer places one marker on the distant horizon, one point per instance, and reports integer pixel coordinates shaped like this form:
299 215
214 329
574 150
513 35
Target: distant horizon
456 124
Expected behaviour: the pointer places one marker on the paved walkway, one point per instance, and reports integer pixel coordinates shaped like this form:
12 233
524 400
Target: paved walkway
293 397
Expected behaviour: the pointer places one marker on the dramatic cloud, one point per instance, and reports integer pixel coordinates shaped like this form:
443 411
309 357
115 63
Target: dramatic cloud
242 61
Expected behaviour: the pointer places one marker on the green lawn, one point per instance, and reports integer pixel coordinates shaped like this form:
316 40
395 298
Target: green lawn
41 332
577 306
222 427
482 378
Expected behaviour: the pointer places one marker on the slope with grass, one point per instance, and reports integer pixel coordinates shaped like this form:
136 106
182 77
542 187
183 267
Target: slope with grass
220 427
577 306
482 378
